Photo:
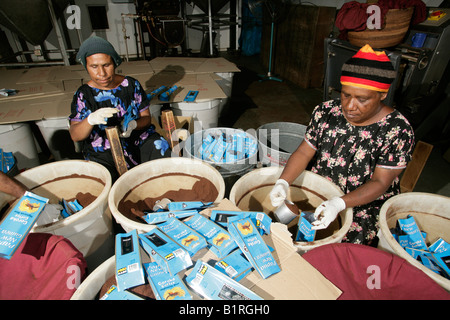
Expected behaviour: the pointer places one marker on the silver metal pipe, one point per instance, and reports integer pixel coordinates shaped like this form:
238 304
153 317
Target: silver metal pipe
58 33
210 28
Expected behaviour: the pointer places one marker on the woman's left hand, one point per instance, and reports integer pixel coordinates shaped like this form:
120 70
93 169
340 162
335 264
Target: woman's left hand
131 126
327 212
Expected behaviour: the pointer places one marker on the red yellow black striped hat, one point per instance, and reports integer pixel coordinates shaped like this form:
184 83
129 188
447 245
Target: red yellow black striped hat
368 69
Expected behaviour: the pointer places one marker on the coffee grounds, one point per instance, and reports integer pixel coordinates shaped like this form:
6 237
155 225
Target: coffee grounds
203 190
84 199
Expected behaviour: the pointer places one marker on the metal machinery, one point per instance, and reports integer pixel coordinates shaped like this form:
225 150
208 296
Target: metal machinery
32 21
421 87
163 25
162 28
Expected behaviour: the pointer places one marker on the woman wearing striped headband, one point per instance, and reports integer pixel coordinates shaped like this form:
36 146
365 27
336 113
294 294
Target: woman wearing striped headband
357 142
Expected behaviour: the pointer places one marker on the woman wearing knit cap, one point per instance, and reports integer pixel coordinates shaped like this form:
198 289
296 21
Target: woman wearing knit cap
110 99
357 142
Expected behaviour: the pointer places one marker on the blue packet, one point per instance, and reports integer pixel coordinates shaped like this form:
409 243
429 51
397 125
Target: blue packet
211 284
255 249
113 293
261 220
429 261
161 216
155 92
165 96
410 227
188 205
304 231
440 245
164 285
167 253
234 265
220 241
205 143
443 259
18 223
129 270
182 234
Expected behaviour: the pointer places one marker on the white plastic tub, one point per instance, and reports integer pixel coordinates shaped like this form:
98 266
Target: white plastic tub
431 213
90 229
155 178
251 193
207 112
56 134
19 139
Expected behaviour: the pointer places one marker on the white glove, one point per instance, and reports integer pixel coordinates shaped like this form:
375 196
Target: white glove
279 192
131 126
50 214
327 212
101 116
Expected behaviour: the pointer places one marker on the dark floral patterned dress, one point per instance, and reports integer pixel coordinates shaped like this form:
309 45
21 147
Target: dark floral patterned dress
130 99
348 155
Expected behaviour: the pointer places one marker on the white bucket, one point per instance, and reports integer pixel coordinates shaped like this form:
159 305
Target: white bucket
90 229
432 215
226 84
56 134
18 139
153 179
91 286
155 111
207 113
251 193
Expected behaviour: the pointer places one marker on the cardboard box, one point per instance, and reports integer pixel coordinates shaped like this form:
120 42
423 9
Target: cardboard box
298 280
47 92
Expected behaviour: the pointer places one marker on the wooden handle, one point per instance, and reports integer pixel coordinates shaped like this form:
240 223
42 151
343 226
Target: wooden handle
168 123
116 148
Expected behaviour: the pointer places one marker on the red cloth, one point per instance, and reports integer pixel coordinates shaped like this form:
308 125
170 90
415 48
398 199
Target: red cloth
346 266
43 268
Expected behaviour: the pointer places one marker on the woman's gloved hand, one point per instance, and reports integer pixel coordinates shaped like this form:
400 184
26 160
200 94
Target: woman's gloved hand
279 192
131 126
101 116
327 212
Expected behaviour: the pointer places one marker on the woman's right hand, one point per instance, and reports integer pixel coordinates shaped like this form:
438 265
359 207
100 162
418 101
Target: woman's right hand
279 192
101 116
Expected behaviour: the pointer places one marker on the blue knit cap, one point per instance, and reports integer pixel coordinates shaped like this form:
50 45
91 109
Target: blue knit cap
95 45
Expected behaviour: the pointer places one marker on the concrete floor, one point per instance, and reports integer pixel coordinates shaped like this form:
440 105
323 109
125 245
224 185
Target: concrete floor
254 103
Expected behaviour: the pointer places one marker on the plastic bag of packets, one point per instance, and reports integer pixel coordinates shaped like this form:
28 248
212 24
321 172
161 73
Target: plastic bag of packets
436 257
222 147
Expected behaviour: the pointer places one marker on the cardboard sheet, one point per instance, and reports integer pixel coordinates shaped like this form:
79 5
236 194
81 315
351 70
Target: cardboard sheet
46 92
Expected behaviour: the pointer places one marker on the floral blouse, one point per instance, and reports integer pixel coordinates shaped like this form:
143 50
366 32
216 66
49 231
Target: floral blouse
130 99
348 155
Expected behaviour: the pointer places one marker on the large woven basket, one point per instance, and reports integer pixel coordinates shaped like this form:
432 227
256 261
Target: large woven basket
396 25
